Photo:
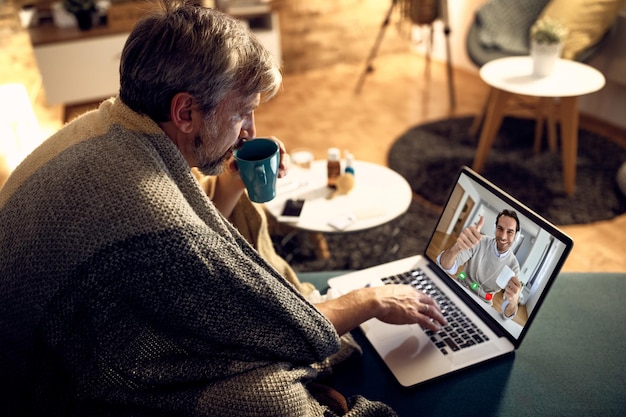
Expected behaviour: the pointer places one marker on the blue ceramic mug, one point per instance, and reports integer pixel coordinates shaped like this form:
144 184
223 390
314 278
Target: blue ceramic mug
258 161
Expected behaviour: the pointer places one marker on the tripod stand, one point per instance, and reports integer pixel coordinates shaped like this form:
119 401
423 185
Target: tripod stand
443 15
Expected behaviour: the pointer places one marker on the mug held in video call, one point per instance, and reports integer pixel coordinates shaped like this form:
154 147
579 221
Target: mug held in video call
258 161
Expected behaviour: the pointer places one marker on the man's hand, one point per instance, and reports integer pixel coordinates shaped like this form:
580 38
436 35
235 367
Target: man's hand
285 159
511 294
512 290
403 304
469 237
394 304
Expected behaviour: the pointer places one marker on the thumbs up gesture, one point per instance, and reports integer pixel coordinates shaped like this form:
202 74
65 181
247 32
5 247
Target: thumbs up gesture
470 236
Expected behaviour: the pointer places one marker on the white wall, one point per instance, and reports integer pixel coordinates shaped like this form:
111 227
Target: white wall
609 104
461 16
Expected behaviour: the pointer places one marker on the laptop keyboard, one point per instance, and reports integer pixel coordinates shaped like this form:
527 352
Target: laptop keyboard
460 333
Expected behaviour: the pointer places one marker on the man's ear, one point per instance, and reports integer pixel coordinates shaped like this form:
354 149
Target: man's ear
182 112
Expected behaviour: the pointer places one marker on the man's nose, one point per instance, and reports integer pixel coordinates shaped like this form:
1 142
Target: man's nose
248 130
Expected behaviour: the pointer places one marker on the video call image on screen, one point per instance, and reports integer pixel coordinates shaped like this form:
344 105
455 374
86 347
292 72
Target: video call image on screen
538 252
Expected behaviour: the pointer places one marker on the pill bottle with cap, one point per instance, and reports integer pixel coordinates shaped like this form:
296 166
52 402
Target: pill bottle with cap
333 166
349 163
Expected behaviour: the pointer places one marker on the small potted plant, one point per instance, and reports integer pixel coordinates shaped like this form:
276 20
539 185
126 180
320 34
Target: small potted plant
83 10
546 42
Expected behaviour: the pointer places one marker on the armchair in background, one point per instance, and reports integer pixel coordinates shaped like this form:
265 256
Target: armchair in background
501 28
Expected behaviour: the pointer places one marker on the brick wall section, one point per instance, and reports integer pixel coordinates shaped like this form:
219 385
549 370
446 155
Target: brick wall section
319 33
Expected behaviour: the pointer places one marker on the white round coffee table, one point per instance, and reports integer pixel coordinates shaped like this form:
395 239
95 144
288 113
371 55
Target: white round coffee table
513 76
379 196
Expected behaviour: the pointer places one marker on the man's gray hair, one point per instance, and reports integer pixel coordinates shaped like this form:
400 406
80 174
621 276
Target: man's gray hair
184 47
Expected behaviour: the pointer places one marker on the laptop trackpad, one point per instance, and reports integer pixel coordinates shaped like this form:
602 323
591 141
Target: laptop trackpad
403 341
407 351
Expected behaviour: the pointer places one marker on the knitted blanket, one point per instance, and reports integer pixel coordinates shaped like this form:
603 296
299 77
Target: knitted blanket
123 291
250 220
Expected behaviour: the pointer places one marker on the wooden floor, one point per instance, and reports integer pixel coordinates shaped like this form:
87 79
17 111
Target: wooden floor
319 109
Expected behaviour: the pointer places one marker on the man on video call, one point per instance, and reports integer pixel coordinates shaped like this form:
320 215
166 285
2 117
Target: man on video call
486 257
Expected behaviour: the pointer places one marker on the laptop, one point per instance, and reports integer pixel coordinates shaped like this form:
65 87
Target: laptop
415 355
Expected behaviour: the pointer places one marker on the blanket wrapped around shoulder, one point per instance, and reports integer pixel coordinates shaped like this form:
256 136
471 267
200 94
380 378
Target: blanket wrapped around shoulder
123 291
250 219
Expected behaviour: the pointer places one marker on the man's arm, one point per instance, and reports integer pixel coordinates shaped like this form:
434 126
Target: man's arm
228 190
448 257
394 304
468 238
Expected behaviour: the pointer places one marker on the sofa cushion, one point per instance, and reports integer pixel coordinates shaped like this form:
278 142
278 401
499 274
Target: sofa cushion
505 24
586 20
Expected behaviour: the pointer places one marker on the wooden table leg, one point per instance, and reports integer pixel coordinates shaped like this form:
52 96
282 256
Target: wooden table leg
569 141
478 120
545 110
321 246
551 117
540 114
493 120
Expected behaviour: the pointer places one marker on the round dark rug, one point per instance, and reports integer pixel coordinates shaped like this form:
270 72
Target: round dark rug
429 156
405 236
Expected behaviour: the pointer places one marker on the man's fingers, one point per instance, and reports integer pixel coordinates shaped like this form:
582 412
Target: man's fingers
470 237
434 317
476 234
514 284
465 241
480 223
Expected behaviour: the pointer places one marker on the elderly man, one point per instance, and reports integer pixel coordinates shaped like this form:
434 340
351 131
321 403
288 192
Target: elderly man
123 289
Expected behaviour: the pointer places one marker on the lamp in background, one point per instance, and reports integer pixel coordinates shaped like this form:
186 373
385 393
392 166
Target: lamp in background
419 12
19 130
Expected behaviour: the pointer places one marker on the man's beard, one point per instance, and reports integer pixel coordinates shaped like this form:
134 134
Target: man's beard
208 164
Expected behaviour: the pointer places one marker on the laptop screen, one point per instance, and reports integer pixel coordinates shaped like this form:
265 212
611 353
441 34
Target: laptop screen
518 249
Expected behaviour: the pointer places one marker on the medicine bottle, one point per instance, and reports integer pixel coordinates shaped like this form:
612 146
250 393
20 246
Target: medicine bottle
349 163
333 166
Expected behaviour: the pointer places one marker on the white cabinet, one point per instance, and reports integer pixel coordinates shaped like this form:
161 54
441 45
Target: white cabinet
81 67
265 26
80 70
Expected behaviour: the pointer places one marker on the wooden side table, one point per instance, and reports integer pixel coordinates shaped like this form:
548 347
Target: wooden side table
512 76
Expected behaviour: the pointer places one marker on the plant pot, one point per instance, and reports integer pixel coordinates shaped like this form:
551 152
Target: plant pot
61 17
84 19
545 56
